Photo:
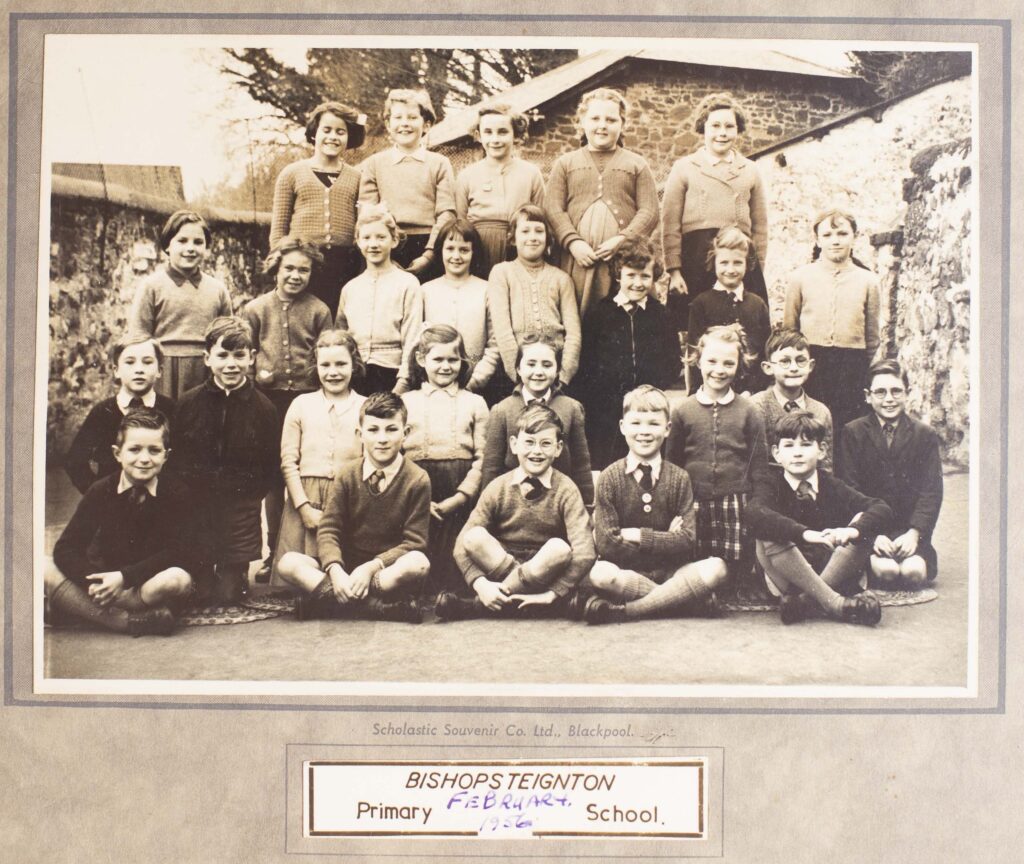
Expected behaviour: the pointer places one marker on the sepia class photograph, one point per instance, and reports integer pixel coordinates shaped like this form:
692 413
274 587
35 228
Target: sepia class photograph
550 366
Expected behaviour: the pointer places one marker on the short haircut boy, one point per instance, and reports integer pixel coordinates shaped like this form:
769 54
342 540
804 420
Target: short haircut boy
646 397
801 424
384 406
785 337
144 418
419 98
538 418
636 253
232 333
135 339
173 225
885 367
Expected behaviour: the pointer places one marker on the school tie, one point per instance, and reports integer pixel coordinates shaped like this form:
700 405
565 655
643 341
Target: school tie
889 430
137 496
375 480
646 477
804 491
791 406
629 308
532 488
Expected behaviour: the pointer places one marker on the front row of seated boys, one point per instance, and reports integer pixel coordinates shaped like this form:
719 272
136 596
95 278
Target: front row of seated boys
140 543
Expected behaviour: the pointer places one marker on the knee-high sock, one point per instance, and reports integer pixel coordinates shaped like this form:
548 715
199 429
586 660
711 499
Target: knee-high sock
790 571
70 598
680 589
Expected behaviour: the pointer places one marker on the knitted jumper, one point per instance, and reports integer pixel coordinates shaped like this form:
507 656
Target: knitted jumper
699 195
109 532
574 460
514 521
418 189
464 307
619 505
284 334
721 446
626 186
521 301
835 306
358 525
177 315
484 191
774 512
772 412
305 207
94 439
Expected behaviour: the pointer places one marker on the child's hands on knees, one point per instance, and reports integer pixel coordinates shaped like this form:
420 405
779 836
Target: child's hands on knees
606 250
310 516
676 282
883 546
359 579
906 544
491 594
583 252
106 586
534 599
820 538
842 536
341 582
632 535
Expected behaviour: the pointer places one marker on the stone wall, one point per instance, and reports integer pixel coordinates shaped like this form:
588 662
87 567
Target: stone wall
99 251
662 97
904 173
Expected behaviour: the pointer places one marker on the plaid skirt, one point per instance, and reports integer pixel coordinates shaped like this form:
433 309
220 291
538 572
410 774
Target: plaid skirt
721 532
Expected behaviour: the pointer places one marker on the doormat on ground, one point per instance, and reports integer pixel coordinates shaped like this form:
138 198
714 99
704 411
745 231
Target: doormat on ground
258 608
886 598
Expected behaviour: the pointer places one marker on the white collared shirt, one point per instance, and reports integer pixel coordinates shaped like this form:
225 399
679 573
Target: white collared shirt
419 154
800 400
451 389
736 292
704 399
227 391
622 300
794 482
389 471
544 398
519 476
124 484
633 464
124 398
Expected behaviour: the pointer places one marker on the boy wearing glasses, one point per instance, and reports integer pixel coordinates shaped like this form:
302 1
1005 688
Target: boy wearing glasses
888 454
789 364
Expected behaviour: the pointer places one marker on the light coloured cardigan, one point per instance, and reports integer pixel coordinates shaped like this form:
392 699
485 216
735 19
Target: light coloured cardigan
701 195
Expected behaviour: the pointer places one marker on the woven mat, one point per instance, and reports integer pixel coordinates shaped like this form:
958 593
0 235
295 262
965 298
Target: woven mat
886 598
258 608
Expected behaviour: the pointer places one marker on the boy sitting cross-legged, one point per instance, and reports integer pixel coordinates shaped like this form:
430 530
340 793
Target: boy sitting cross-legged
645 527
814 533
126 552
373 532
528 540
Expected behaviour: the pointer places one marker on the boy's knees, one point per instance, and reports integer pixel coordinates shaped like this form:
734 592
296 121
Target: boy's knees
177 582
886 570
289 564
558 552
416 565
713 571
603 575
476 539
914 571
52 577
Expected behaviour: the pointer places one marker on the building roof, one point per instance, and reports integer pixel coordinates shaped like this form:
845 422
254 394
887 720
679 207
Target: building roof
576 73
152 181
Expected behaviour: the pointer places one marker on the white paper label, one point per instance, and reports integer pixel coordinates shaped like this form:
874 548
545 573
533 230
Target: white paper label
662 797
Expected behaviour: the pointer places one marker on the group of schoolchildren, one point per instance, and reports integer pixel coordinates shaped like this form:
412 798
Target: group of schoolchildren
420 405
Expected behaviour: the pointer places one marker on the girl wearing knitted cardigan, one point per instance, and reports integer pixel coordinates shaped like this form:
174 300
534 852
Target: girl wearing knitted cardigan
315 198
598 196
